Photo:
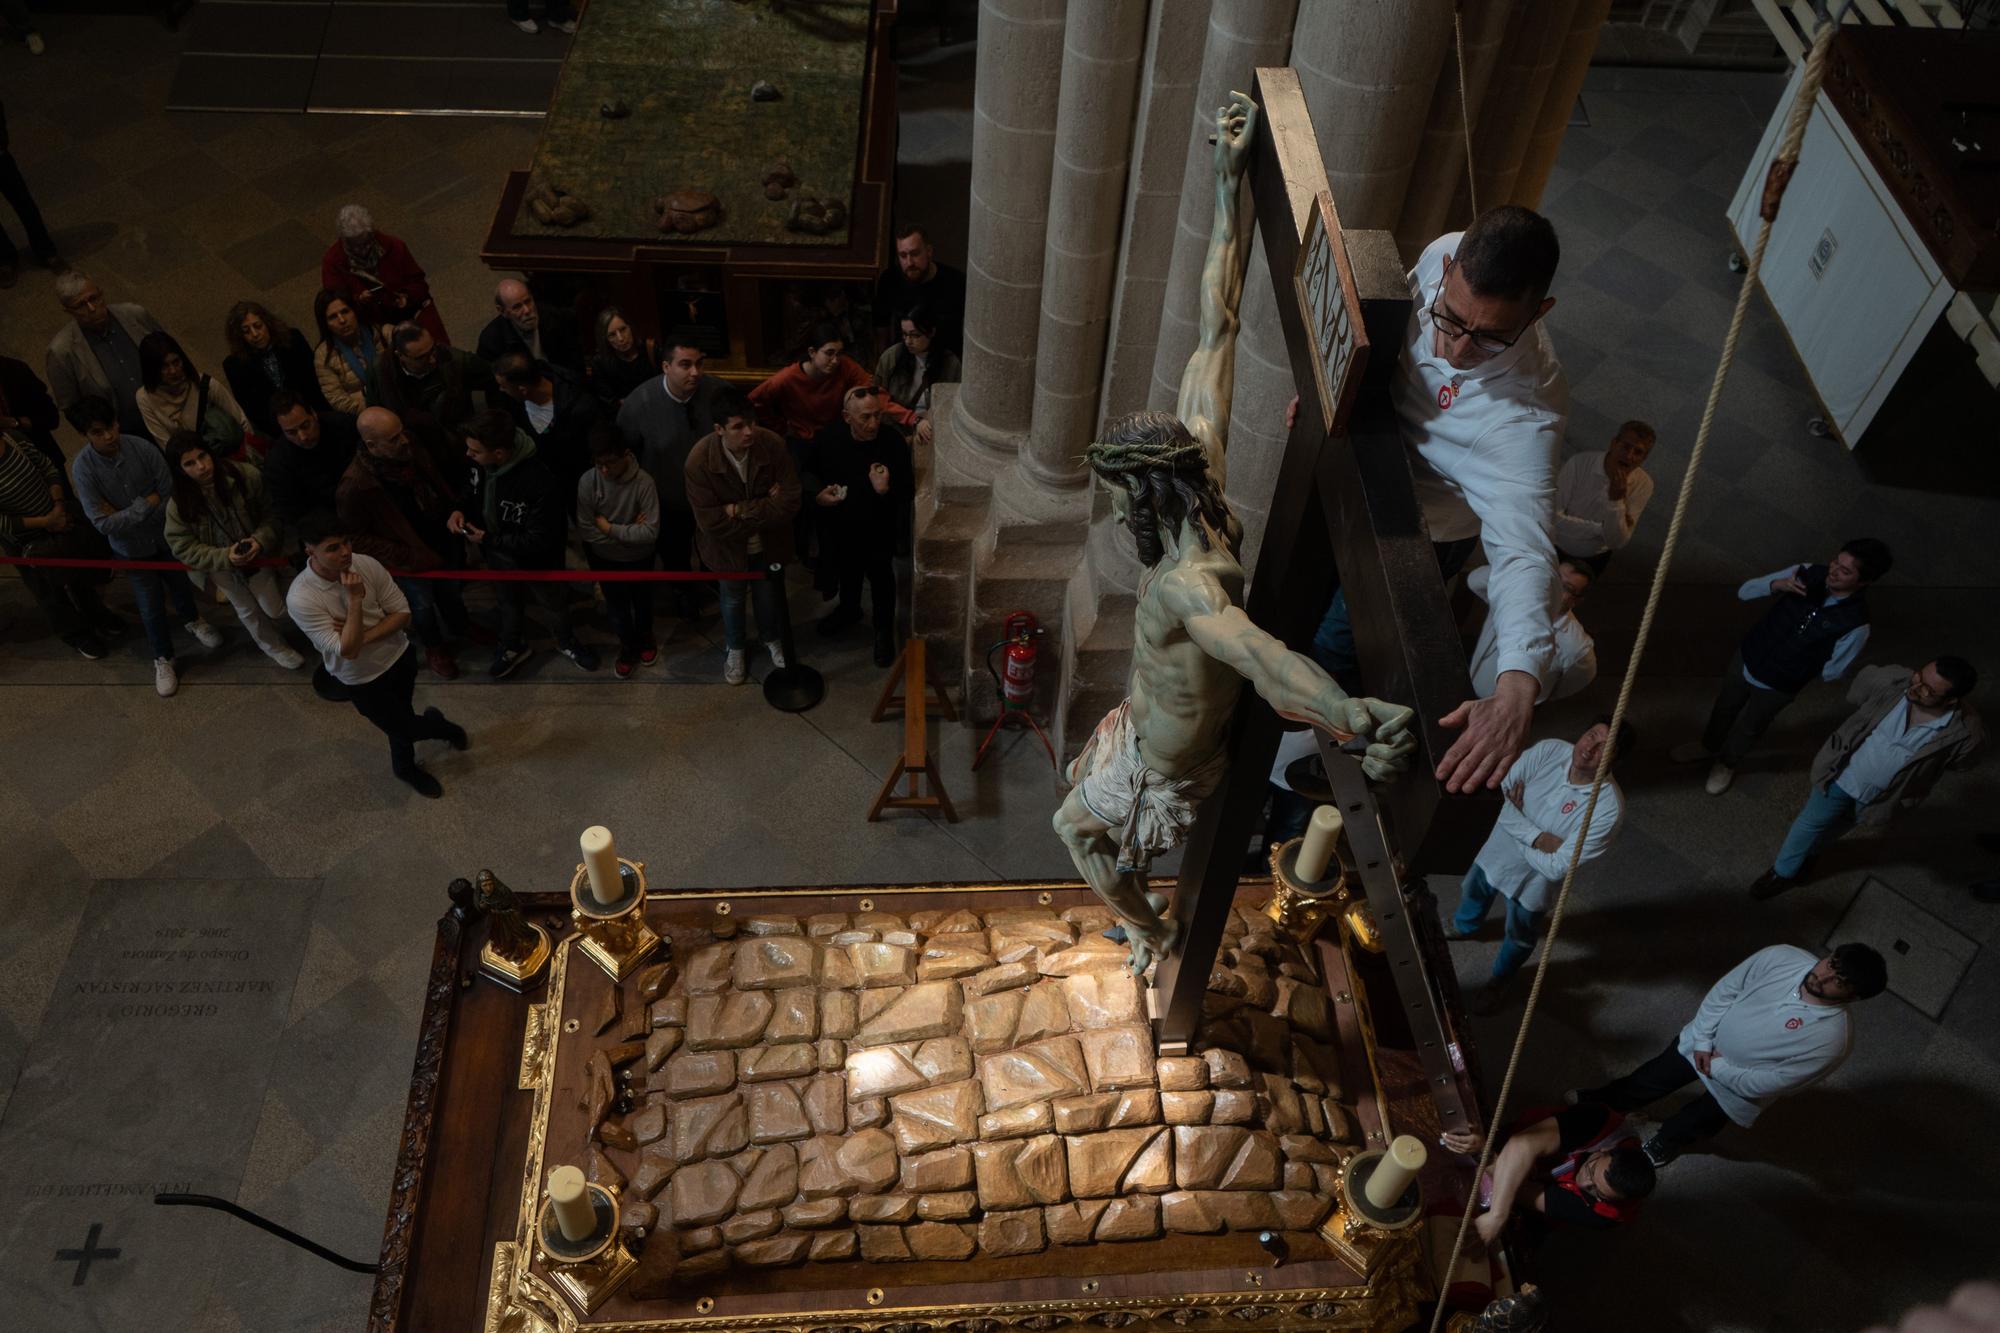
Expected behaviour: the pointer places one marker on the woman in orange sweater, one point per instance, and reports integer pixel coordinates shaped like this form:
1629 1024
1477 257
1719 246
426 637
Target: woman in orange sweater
805 397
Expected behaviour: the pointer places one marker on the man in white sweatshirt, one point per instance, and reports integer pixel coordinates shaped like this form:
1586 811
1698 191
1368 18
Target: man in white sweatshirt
1575 664
1527 854
1482 402
1777 1022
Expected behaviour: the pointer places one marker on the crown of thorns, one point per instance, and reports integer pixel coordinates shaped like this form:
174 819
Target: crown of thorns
1175 450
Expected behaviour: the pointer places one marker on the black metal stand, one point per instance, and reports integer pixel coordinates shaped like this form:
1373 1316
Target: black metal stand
794 687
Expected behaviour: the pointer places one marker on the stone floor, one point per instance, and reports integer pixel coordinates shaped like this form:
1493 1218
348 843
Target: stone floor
139 831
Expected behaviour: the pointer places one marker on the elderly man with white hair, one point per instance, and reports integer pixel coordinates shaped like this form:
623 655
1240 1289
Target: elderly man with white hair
520 323
377 275
97 353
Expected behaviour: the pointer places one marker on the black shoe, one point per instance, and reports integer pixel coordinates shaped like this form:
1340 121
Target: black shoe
423 783
836 620
106 623
1989 842
885 649
453 733
1491 998
1987 891
8 275
506 661
580 653
86 644
1769 885
1659 1154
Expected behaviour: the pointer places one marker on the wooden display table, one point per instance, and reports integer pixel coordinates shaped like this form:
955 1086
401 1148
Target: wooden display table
501 1082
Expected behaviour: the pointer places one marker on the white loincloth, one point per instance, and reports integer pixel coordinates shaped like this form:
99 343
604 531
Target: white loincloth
1150 811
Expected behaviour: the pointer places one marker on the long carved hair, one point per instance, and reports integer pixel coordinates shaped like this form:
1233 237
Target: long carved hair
1161 466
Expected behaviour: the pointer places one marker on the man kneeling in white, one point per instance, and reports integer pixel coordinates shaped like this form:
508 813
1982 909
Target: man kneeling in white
354 613
1527 854
1575 662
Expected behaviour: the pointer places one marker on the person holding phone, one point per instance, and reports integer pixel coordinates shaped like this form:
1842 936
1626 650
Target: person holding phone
220 526
1815 629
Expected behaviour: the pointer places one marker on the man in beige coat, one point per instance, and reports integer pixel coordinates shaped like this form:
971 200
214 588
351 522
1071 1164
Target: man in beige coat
97 353
1907 728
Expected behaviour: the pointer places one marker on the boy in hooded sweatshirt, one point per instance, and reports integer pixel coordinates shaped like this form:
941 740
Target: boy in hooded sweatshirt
514 518
618 509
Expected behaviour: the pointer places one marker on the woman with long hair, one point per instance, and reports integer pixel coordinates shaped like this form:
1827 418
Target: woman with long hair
265 355
219 525
623 360
347 348
909 366
174 396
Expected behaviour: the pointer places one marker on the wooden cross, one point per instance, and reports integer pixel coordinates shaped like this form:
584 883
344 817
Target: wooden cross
1344 499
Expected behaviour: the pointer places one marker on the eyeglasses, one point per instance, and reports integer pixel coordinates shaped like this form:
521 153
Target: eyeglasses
1486 340
915 335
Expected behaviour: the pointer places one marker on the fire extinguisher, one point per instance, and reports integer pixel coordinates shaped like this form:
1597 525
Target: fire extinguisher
1015 680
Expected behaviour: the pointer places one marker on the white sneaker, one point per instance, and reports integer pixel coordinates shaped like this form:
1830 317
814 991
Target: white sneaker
288 658
562 25
207 635
35 44
528 26
164 678
1688 752
1719 778
733 669
777 655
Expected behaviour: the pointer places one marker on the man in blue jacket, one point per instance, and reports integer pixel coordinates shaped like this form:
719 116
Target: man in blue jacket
124 485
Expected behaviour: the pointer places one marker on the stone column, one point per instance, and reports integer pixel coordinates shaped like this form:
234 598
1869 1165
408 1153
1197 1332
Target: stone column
1513 101
1174 42
1013 146
1102 45
1572 63
1242 34
1441 164
1367 68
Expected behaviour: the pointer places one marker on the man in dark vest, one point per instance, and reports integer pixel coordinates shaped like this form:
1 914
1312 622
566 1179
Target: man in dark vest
1814 631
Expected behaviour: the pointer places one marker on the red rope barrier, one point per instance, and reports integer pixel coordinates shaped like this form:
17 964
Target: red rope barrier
463 575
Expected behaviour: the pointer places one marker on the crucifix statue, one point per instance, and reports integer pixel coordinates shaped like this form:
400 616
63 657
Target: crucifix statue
1155 757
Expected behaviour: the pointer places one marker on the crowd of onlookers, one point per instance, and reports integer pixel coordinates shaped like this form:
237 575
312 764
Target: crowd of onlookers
554 445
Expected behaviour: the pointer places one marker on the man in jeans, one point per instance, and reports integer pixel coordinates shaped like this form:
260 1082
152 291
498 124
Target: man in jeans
1528 852
745 494
618 509
1815 629
355 614
516 516
123 484
395 499
1776 1023
1908 727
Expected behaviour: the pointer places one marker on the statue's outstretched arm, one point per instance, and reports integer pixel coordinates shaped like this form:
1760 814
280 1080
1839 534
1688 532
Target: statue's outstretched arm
1209 381
1290 682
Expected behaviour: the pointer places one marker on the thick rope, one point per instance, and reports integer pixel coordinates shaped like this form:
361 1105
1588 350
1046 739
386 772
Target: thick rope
1782 166
1464 106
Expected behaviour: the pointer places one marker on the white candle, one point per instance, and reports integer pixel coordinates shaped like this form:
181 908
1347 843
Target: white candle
1317 852
1406 1156
576 1216
600 862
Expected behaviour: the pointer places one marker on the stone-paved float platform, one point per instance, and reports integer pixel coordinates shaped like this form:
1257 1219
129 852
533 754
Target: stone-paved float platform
939 1108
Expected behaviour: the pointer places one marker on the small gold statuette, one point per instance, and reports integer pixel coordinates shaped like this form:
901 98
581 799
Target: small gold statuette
1378 1199
608 903
516 950
578 1237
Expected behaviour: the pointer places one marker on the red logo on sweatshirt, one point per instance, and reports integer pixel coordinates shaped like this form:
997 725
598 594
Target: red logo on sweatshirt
1446 394
1568 806
1794 1024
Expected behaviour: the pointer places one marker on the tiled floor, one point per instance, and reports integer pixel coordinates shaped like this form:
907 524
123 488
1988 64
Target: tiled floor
1846 1202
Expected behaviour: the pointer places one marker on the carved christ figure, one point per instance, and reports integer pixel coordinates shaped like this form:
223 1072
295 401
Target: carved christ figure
1154 758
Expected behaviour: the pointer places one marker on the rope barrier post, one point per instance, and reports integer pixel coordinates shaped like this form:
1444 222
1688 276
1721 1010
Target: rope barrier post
793 687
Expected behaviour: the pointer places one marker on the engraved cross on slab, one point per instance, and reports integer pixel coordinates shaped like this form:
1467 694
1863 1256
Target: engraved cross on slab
1343 500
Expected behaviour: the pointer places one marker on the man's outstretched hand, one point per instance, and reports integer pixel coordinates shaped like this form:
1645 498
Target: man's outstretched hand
1495 731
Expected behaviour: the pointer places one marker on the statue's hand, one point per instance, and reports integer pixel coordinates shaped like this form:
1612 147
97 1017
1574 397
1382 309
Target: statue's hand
1392 740
1235 127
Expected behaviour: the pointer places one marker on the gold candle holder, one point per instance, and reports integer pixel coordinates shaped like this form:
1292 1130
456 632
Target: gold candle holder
587 1272
615 936
1300 907
1359 1232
